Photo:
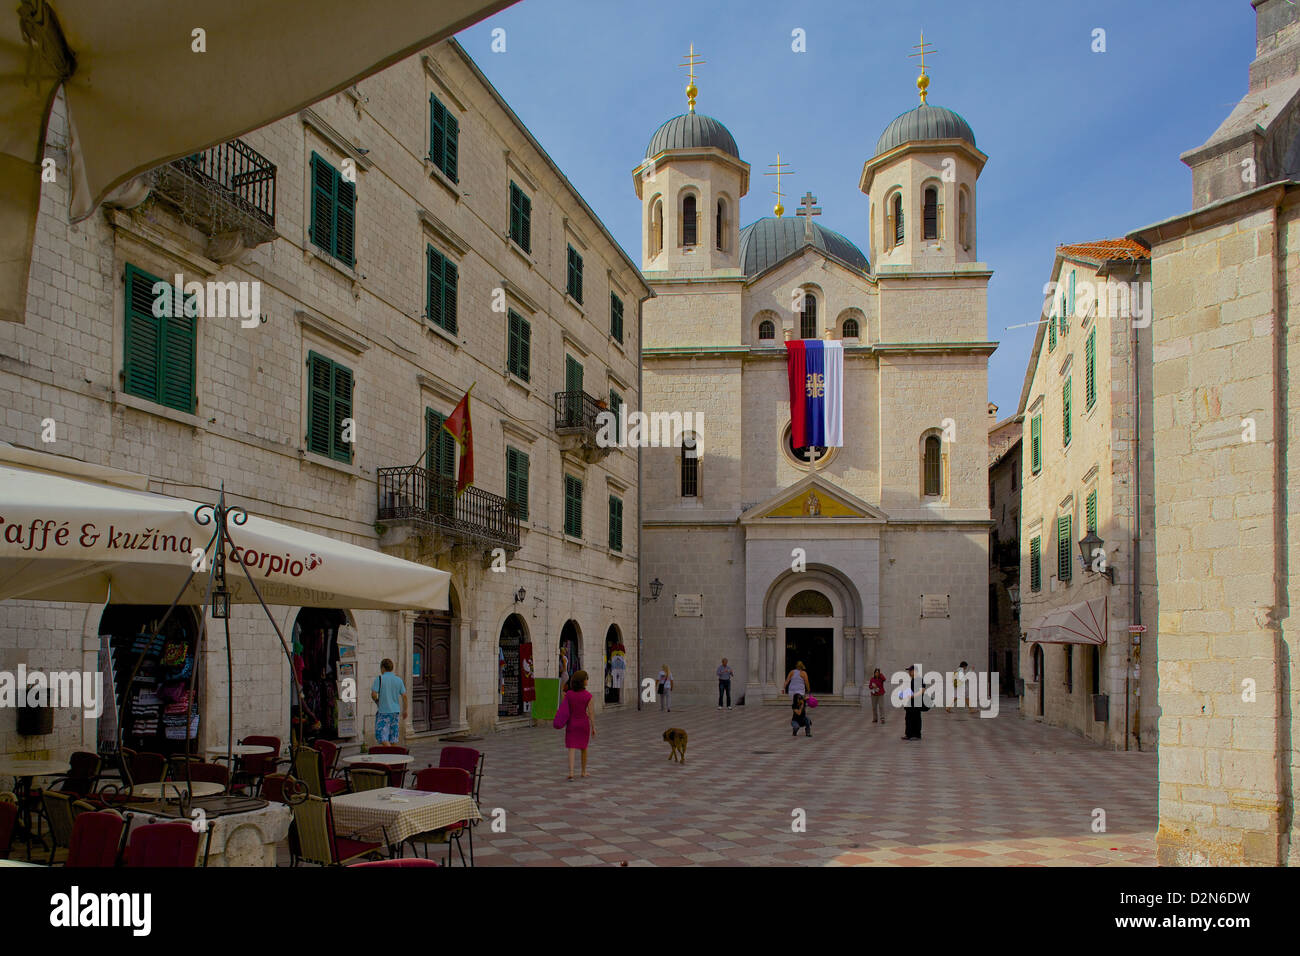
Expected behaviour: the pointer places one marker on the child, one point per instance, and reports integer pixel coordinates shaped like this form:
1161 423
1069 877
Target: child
577 718
799 717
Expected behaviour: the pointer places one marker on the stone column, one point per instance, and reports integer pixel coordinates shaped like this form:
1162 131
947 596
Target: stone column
870 646
770 664
852 655
753 675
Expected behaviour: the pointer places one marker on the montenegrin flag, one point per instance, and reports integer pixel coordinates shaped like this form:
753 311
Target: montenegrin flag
816 373
457 423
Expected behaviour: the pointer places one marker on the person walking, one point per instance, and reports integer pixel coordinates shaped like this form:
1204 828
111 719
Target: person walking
796 682
724 683
665 688
578 718
389 692
877 687
913 696
958 681
799 716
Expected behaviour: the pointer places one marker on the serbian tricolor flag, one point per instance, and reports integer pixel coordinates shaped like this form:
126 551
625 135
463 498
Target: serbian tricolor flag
816 373
457 423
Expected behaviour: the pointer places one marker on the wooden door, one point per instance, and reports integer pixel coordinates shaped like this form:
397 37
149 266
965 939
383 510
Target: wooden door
431 673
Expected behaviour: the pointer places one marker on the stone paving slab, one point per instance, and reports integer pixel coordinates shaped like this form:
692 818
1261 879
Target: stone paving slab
986 792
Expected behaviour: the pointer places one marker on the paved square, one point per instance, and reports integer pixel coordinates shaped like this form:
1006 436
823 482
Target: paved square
973 792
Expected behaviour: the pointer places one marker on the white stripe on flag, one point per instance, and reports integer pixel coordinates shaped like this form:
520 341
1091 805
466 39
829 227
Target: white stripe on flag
833 357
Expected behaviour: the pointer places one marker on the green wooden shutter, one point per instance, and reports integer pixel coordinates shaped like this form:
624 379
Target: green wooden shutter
432 428
322 203
615 523
143 332
512 341
1090 371
616 317
433 285
615 403
342 409
578 296
1035 564
452 167
516 224
178 347
1091 510
572 506
1065 411
526 218
437 132
1063 566
319 415
450 278
572 374
1069 309
345 219
1051 328
525 348
1036 444
517 481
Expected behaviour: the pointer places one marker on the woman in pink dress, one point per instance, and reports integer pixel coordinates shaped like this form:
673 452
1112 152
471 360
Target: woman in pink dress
581 725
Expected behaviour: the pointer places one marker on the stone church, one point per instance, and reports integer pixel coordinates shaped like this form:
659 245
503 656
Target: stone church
871 554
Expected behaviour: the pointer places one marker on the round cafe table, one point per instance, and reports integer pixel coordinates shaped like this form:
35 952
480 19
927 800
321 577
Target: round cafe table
240 750
23 771
388 760
173 788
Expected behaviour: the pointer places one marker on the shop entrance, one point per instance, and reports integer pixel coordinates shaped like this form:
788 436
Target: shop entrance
615 665
316 662
431 672
157 702
570 652
514 668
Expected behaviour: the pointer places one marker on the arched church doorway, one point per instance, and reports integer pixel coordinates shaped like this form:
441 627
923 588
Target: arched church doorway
570 652
615 665
810 638
515 668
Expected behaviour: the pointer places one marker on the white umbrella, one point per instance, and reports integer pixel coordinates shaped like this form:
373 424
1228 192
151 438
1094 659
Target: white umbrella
67 540
140 93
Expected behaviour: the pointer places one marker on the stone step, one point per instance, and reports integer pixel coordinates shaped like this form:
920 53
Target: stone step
828 700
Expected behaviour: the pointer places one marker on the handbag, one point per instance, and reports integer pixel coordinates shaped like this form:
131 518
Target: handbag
810 700
562 715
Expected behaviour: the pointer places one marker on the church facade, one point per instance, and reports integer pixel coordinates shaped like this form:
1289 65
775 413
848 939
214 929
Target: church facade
870 554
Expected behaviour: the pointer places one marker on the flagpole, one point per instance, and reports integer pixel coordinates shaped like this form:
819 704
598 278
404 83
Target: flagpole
424 454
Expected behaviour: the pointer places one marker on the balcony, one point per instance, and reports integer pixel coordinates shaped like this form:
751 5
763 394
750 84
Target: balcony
227 191
575 423
427 504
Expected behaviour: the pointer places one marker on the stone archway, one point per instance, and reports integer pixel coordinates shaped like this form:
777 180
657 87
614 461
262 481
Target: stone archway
820 610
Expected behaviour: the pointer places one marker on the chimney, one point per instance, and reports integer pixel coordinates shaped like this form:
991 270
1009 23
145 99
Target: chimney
1277 43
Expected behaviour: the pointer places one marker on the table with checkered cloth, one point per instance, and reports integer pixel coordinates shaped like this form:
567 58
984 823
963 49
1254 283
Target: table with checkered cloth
403 813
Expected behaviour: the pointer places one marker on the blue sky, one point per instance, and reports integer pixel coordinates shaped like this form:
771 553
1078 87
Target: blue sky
1081 145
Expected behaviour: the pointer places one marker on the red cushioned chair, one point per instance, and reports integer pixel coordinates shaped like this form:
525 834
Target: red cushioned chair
318 843
96 838
309 767
467 759
446 780
163 845
404 861
8 821
329 752
396 775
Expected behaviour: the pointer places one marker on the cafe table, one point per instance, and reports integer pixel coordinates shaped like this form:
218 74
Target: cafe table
240 750
23 771
388 760
172 789
402 813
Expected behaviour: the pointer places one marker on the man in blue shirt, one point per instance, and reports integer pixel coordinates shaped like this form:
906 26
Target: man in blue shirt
389 693
724 683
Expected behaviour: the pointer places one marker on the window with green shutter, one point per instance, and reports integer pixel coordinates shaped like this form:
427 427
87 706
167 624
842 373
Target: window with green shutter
521 219
615 403
616 317
159 351
574 284
1090 368
1066 390
1051 327
573 506
519 348
1091 510
440 461
333 211
615 523
444 138
1064 567
329 406
1069 302
517 481
443 279
1036 444
1035 564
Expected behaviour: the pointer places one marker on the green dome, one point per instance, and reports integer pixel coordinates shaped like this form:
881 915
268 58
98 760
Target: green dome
769 240
924 123
691 131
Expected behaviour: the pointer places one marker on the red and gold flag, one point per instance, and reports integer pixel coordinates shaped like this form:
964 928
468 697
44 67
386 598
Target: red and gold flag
458 425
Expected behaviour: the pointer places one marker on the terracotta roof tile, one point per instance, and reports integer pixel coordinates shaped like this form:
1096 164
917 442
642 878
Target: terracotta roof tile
1103 250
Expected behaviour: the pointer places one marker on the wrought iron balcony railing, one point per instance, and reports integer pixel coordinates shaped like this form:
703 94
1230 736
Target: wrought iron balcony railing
577 410
429 502
226 190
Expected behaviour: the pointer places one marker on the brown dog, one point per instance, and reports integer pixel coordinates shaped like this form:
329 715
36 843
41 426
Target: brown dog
677 738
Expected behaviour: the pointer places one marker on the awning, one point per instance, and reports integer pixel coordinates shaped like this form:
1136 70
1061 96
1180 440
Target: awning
139 92
64 539
1083 623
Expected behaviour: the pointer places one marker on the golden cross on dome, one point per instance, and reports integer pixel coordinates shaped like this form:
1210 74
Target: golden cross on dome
922 81
778 169
693 60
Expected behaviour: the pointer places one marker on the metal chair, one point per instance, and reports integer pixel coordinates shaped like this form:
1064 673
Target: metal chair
59 815
96 839
145 767
313 818
467 759
368 776
309 767
170 845
446 780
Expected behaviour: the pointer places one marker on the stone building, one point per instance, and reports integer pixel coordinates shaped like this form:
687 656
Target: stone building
1004 549
1087 470
768 553
1226 413
408 239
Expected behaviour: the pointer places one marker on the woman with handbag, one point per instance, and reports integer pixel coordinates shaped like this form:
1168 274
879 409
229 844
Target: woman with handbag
665 688
797 682
578 719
